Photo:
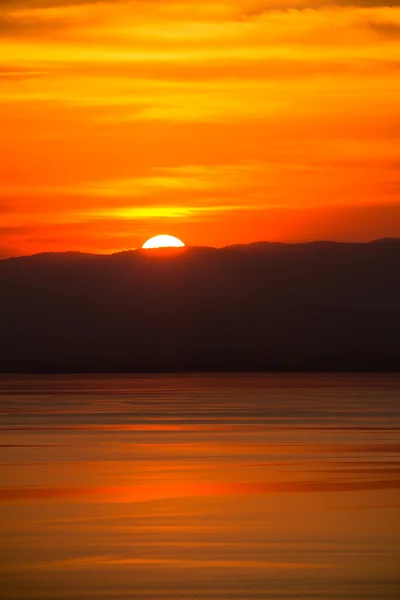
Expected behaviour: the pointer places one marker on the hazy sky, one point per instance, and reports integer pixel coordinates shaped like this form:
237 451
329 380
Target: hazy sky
217 121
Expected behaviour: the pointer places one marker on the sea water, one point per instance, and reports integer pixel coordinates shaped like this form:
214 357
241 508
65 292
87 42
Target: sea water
233 487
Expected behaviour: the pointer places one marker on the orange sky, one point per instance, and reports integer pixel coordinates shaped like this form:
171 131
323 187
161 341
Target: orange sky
217 121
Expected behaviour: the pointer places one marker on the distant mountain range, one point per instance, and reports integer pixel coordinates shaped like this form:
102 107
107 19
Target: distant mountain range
321 306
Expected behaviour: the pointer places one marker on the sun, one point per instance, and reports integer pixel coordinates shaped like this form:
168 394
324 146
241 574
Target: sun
163 241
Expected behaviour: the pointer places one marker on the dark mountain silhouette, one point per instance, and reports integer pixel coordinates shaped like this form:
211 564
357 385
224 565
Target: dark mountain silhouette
321 306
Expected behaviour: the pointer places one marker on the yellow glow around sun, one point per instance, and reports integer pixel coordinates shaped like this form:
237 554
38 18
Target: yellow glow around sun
163 241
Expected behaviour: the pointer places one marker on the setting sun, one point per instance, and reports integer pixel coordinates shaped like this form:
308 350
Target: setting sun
163 241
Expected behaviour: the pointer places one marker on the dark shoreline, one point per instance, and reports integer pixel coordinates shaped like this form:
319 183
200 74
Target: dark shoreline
317 307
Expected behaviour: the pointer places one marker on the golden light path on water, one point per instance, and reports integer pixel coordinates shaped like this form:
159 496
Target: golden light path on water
164 487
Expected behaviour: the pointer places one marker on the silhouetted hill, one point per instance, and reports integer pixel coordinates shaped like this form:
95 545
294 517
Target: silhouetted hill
265 306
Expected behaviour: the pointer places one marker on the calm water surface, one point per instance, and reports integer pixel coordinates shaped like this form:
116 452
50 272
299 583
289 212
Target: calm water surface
217 487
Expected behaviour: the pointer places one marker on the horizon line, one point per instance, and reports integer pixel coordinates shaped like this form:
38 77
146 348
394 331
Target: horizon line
187 247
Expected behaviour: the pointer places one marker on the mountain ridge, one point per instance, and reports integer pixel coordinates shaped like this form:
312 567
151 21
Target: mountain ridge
250 245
